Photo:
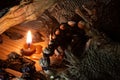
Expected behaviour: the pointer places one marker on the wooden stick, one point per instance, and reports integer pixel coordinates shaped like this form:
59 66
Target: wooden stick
19 14
13 72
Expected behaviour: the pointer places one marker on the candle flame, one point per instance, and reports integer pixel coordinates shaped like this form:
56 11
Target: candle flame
29 37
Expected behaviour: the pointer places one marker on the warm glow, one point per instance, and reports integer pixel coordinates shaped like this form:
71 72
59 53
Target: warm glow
29 37
50 37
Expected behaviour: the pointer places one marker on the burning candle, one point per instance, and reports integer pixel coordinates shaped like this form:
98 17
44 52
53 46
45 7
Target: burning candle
29 39
28 48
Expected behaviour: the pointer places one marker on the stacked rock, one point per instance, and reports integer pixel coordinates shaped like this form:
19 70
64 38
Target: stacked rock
62 36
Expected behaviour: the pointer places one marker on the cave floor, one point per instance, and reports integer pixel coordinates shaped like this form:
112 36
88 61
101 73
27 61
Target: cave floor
10 45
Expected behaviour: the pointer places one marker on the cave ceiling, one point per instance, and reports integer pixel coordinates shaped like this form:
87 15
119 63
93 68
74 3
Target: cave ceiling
110 26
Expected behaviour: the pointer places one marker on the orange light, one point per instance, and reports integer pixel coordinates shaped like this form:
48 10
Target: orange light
29 37
50 37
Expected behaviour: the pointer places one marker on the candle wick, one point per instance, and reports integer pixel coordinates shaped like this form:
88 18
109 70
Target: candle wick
28 45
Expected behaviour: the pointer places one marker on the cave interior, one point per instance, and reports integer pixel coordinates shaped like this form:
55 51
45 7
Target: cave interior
74 40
